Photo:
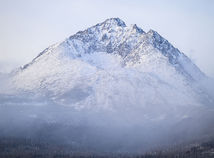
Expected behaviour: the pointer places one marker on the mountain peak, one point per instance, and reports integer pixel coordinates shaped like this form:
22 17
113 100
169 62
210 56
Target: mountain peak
113 37
137 29
114 21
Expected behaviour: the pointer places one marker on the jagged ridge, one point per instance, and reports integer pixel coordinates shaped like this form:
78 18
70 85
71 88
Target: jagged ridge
113 36
107 53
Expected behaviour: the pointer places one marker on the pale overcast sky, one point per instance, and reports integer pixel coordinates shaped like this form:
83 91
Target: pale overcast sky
29 26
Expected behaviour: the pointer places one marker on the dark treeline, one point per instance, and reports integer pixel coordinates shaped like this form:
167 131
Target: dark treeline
28 148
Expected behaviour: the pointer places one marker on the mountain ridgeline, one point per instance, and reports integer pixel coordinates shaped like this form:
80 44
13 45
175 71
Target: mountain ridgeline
107 51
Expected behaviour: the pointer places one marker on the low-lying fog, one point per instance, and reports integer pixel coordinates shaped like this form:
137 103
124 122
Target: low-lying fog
122 130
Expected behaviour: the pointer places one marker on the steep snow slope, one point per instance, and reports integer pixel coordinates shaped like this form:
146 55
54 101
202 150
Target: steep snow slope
111 65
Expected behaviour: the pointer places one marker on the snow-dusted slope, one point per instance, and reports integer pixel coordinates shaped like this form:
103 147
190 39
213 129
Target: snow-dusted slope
110 65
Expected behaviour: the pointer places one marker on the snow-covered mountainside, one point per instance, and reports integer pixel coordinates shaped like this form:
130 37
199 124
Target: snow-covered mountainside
109 65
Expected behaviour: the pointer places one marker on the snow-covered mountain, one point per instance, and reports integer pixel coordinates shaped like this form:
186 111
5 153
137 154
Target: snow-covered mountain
109 65
110 87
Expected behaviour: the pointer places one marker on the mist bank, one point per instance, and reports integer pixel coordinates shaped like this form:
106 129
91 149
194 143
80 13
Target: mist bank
102 131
